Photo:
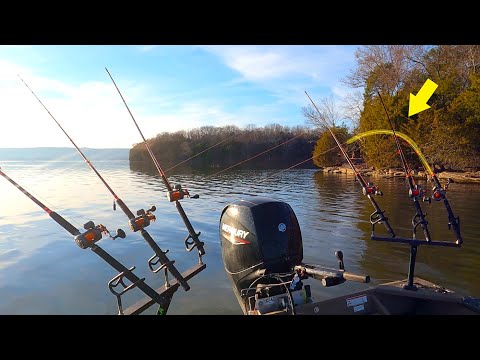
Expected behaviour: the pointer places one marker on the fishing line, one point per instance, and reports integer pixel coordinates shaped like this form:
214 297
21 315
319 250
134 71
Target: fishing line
415 191
138 223
173 195
279 172
300 163
201 152
439 194
413 145
157 165
368 189
252 157
403 159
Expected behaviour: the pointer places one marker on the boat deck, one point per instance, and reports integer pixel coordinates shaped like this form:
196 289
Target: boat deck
392 299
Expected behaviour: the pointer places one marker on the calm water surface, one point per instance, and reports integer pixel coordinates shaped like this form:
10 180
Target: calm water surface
42 271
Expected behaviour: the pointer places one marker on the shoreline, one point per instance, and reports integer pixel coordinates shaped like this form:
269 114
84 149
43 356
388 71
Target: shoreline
455 177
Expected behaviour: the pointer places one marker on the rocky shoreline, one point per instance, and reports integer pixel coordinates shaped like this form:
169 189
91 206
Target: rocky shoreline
455 177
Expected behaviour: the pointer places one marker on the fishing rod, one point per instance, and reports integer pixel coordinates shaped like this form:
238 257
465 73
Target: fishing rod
174 194
415 191
369 189
88 240
439 192
136 223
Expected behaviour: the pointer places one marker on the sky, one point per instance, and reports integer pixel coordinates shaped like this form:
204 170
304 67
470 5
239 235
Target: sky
167 88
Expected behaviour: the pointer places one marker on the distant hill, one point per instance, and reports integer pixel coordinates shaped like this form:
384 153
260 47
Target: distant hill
61 154
272 146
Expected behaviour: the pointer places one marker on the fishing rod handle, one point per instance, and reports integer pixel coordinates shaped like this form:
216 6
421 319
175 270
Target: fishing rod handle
438 195
387 225
421 221
378 217
191 232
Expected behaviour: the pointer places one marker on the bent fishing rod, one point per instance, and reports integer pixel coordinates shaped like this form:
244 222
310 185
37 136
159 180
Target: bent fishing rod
439 192
88 239
414 191
369 189
174 194
143 219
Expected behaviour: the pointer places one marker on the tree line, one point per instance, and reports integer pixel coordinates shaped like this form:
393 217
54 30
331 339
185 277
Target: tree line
235 144
448 133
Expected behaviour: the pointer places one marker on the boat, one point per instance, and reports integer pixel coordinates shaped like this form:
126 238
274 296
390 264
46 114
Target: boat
262 252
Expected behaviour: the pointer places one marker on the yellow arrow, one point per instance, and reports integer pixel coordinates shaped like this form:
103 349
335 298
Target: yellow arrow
419 103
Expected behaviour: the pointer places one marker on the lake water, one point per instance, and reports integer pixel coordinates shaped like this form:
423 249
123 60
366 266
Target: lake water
43 271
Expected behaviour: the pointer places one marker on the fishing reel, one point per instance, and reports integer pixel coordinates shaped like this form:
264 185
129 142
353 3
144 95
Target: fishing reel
143 219
439 193
94 234
371 189
178 193
418 192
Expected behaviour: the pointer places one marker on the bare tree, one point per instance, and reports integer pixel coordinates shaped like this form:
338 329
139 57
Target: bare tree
328 113
473 56
352 107
385 67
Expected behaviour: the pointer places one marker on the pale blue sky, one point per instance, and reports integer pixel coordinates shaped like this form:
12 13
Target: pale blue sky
167 88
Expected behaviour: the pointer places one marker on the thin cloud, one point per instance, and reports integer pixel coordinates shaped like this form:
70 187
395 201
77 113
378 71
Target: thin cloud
286 71
93 114
267 86
264 63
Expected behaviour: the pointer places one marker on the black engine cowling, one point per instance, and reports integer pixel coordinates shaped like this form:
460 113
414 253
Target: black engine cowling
259 234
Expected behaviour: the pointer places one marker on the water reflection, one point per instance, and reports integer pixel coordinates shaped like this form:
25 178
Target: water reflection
42 271
451 267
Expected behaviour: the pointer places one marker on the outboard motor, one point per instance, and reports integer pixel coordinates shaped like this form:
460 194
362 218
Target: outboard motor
258 236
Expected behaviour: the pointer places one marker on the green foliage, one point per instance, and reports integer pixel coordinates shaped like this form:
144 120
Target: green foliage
379 150
449 132
326 152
